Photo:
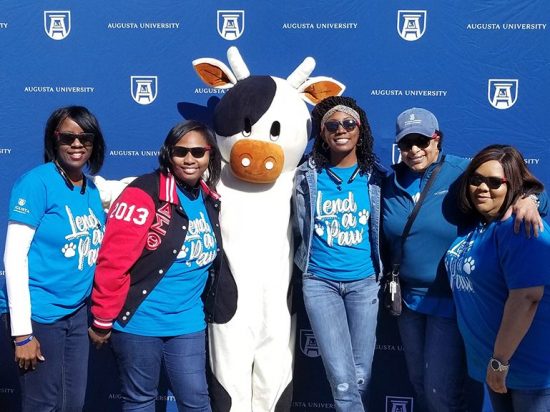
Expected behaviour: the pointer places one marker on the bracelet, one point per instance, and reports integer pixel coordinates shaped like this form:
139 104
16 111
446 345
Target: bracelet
24 341
535 199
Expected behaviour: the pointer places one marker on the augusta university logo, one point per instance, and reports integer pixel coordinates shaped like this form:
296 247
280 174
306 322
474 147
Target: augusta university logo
399 404
502 93
411 24
308 343
57 23
230 24
144 89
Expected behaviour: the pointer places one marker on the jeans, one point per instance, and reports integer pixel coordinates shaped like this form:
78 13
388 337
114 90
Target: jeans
521 400
58 383
436 361
139 359
343 318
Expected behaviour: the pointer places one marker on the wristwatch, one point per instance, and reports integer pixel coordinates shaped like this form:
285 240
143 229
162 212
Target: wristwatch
535 199
497 365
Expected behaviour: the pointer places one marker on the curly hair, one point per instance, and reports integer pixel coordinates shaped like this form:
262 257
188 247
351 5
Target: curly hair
321 155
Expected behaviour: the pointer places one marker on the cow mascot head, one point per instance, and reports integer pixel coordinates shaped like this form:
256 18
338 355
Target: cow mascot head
262 126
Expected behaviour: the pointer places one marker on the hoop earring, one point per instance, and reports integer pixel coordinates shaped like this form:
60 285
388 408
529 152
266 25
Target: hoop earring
324 146
359 143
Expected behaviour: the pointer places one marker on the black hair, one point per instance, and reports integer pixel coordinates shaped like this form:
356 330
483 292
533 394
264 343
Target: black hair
87 122
176 134
321 155
520 180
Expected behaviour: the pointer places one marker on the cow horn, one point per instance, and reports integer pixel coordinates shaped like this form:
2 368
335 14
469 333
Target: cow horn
237 63
302 72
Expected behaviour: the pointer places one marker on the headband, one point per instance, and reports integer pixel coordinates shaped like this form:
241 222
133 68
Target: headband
343 109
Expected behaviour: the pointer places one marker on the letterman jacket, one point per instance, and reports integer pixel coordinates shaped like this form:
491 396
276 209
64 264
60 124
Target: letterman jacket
145 229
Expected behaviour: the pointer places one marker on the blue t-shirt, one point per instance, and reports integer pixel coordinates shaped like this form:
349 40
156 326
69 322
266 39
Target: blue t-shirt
174 307
340 248
69 230
410 182
482 267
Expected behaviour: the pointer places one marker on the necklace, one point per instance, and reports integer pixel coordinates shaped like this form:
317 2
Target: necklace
338 180
68 181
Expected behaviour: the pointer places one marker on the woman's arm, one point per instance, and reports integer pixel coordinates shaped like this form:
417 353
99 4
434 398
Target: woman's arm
519 311
528 211
18 243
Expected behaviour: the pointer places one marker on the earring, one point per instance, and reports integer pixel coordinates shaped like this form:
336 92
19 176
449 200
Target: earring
359 143
324 145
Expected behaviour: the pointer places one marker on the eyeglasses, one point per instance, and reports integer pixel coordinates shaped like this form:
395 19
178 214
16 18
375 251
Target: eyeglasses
68 138
419 141
196 152
492 182
348 125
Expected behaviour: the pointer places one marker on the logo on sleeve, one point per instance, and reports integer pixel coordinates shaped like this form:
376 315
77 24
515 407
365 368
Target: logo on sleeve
20 207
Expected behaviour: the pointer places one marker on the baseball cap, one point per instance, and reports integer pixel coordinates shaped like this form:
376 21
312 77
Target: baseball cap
415 120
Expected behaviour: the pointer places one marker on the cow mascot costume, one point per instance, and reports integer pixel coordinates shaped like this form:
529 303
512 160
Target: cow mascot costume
262 126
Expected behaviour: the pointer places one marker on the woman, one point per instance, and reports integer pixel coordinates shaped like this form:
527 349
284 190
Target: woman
54 232
498 282
162 241
336 218
433 347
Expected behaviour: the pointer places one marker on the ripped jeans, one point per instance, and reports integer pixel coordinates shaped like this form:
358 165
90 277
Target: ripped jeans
343 318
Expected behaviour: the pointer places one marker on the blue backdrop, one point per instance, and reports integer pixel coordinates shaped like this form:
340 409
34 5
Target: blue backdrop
480 65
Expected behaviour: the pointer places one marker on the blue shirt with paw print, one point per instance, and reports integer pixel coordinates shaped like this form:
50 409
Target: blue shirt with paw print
174 307
69 229
340 247
483 267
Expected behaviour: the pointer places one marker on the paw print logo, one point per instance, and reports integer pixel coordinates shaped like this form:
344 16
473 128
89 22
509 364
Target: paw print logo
183 252
69 250
319 229
363 216
469 265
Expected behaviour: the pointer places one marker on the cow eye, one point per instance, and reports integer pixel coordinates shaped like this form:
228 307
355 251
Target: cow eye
275 131
247 131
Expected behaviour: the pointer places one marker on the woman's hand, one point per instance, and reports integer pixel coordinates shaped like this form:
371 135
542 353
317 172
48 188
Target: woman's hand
496 380
526 210
28 355
98 338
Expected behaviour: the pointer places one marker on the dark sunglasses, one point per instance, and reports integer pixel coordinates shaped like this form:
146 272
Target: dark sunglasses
492 182
348 125
196 152
68 138
419 141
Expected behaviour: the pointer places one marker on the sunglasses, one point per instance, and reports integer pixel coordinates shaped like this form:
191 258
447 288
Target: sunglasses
333 125
68 138
196 152
492 182
419 141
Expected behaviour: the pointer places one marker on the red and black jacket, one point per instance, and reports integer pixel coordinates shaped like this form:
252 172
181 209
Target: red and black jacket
145 229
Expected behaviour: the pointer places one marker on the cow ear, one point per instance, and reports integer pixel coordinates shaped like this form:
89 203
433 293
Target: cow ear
317 88
214 73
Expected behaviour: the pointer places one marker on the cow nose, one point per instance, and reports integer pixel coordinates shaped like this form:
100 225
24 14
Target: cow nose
256 161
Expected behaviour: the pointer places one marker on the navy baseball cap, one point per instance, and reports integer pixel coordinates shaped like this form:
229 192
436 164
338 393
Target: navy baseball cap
415 120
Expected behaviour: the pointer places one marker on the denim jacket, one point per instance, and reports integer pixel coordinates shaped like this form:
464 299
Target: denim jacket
304 197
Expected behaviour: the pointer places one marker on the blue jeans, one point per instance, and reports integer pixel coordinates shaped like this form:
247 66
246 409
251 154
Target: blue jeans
58 383
139 359
436 361
521 400
343 318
